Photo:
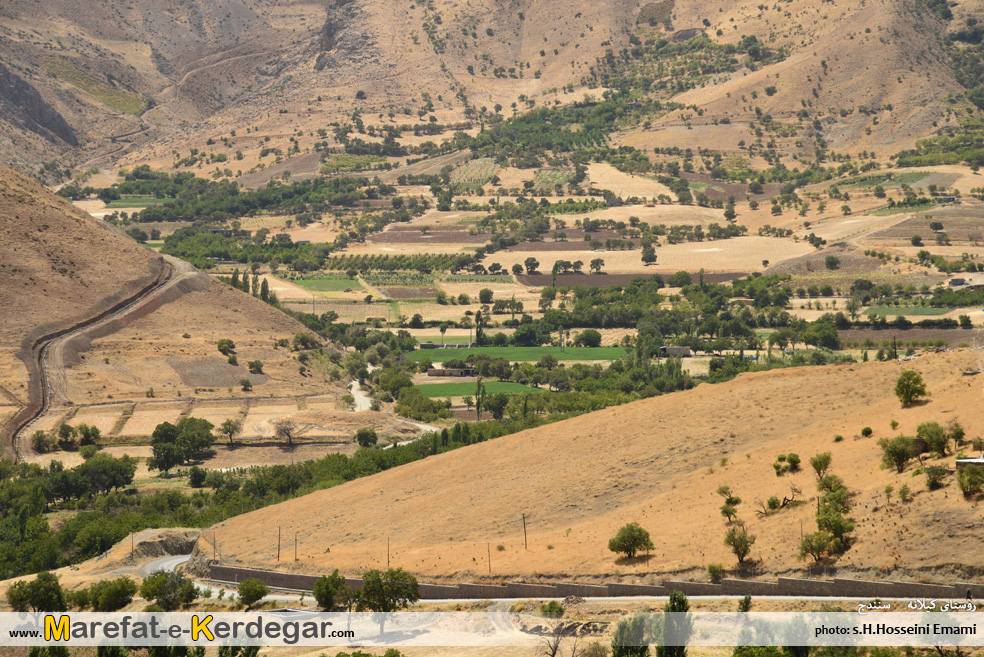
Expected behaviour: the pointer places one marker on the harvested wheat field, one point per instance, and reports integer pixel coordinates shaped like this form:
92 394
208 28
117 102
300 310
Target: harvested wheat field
659 462
625 185
736 254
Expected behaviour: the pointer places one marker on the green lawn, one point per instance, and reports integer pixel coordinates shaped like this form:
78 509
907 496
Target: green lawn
523 353
328 284
137 202
468 388
906 310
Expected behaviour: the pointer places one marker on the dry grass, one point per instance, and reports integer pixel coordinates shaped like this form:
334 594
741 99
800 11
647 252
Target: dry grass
578 484
738 254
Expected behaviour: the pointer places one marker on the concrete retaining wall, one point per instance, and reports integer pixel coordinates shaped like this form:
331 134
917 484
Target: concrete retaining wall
693 588
635 589
748 587
837 588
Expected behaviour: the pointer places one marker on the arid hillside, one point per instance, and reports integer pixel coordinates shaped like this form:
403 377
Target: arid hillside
158 340
658 462
58 267
160 77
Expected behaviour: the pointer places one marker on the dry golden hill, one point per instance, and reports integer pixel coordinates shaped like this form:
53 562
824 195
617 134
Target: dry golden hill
659 462
60 267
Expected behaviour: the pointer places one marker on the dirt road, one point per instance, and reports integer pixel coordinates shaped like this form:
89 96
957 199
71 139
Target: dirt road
51 379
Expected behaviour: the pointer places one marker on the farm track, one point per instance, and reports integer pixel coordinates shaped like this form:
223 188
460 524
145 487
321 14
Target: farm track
47 370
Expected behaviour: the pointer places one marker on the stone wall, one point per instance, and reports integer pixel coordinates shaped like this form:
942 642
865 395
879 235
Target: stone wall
785 586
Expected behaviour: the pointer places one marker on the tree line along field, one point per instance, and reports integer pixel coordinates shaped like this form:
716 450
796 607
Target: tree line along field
906 310
466 388
523 354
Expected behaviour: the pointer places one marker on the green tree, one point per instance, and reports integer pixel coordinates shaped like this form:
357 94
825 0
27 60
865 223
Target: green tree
165 456
674 626
632 636
630 539
230 428
196 477
226 346
821 463
936 437
531 264
112 595
251 591
43 593
385 592
255 366
816 545
934 476
897 452
971 480
366 437
169 590
648 255
66 436
485 295
909 387
739 540
327 588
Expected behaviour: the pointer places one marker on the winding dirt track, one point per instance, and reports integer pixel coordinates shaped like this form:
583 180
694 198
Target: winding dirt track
48 380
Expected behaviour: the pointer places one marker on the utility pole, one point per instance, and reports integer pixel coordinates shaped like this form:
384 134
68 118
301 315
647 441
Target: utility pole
488 546
525 543
295 546
131 546
387 553
215 550
278 544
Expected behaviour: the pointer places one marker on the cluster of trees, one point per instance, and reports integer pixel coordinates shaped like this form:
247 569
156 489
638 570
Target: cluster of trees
382 592
174 445
833 526
45 593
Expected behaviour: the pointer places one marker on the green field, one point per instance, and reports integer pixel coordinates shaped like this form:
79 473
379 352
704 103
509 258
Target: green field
899 209
477 278
328 284
137 202
346 162
468 388
523 353
906 310
883 179
111 91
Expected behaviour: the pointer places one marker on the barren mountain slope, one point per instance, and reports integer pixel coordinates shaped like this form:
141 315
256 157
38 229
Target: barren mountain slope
876 69
60 267
282 67
658 462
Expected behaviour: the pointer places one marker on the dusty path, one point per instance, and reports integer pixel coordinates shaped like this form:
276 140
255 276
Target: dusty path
52 379
363 402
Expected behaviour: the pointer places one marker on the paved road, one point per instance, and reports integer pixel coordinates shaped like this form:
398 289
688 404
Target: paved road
170 563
